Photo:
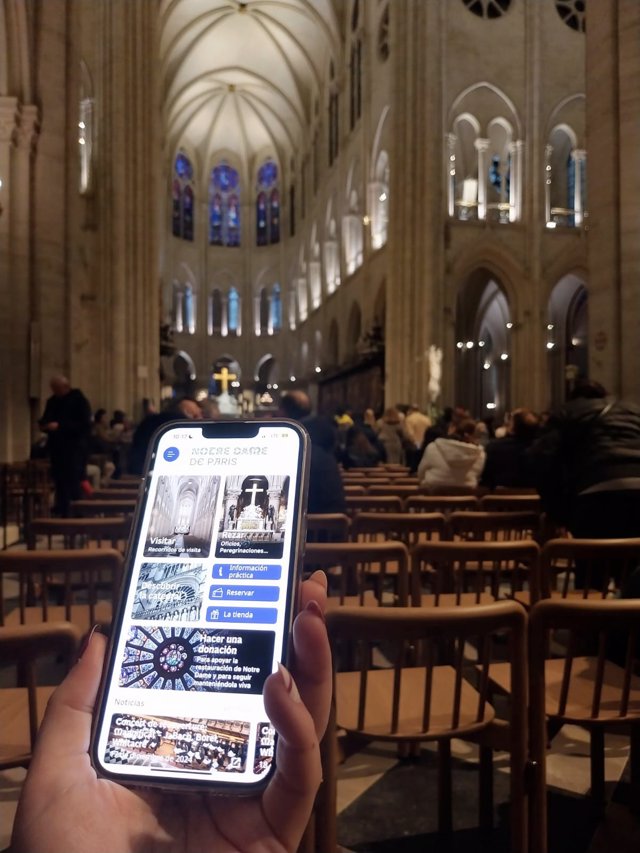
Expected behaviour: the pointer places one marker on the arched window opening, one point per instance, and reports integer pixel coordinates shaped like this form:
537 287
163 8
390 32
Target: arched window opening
567 336
565 180
184 308
379 202
234 322
264 312
334 116
268 205
355 67
215 312
353 237
276 310
331 256
224 206
182 198
292 211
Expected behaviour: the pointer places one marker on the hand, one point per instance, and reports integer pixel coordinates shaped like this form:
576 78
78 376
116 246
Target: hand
66 808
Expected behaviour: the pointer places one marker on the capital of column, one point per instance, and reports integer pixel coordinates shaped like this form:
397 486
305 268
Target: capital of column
578 155
451 141
481 144
9 119
29 127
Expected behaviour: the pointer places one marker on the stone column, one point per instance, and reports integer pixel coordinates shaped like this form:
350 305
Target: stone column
548 177
481 146
578 156
450 167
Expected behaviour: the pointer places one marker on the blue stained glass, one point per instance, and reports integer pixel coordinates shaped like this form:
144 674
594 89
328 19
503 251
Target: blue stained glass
267 174
276 309
233 309
184 169
225 177
215 220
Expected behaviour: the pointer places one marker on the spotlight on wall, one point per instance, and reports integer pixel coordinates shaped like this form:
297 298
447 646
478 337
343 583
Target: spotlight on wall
491 405
459 345
504 356
382 196
551 224
486 365
292 378
275 386
509 325
550 344
550 326
469 344
480 343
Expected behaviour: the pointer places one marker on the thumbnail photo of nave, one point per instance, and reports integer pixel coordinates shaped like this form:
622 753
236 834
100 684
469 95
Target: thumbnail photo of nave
415 226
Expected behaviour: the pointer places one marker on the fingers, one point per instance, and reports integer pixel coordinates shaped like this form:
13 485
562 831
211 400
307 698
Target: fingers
315 588
288 800
66 727
311 663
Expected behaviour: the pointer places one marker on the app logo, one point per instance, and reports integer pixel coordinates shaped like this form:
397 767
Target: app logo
171 454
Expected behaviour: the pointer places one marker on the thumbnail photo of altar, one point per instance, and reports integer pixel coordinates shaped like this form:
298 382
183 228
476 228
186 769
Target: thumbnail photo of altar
181 523
171 592
167 743
254 516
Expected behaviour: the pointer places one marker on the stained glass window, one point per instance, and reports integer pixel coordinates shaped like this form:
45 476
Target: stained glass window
276 310
224 206
182 198
267 205
234 311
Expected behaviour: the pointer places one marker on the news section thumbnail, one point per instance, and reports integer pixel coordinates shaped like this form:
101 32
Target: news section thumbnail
171 592
181 523
168 743
167 657
254 516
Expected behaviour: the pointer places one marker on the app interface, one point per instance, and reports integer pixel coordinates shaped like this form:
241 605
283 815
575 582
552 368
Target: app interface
204 621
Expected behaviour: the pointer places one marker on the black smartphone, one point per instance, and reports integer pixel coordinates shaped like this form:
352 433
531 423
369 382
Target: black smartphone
205 614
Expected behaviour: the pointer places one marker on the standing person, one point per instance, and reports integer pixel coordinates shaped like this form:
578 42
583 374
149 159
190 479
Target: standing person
393 436
587 464
67 421
509 462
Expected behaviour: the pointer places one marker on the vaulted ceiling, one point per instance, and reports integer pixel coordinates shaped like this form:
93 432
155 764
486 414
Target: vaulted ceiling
243 76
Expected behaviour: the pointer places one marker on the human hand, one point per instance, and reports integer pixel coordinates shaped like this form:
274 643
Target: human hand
66 808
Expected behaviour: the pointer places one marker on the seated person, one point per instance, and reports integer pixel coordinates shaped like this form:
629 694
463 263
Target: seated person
454 460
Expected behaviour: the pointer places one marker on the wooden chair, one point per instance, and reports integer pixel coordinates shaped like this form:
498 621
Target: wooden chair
429 692
451 491
587 568
395 488
94 508
25 491
360 573
116 494
81 532
441 503
328 527
511 503
373 503
22 707
586 690
407 527
470 573
494 526
353 489
79 586
130 485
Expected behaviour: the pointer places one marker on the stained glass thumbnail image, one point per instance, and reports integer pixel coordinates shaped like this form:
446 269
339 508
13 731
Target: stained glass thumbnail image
160 658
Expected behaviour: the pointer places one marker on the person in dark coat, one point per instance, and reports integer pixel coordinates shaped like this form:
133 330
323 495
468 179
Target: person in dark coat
509 462
67 422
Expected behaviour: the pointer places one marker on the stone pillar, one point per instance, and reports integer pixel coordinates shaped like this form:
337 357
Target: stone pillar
450 167
578 156
481 146
548 177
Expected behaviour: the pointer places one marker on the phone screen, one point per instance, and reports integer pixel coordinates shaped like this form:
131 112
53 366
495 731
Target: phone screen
206 607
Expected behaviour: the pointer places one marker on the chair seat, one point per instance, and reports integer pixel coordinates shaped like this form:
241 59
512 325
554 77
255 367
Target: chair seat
15 747
580 697
80 615
410 725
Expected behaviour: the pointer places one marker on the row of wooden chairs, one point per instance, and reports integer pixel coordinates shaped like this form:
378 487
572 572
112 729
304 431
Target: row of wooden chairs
440 682
434 573
386 501
25 492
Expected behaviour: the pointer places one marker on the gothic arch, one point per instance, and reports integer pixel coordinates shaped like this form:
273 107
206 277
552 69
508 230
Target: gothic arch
378 141
492 256
484 88
16 76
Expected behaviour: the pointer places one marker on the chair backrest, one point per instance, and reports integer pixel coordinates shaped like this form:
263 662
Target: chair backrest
94 508
81 532
589 690
328 527
591 566
407 527
23 646
428 669
511 503
441 503
373 503
494 526
75 576
356 567
395 488
451 490
354 489
113 494
500 569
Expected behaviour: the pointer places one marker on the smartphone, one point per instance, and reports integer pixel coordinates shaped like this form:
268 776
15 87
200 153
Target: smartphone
205 613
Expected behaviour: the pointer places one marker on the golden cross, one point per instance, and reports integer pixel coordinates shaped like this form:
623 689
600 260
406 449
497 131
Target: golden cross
224 377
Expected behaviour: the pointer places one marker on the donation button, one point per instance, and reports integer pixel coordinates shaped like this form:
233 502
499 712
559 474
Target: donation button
245 615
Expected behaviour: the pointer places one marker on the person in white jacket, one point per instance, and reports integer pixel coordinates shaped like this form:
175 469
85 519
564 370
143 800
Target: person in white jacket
454 460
